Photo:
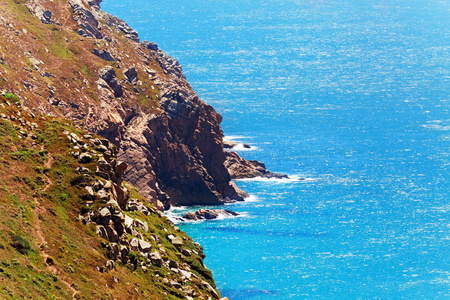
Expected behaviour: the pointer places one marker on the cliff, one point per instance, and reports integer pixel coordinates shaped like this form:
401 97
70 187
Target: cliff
72 228
70 59
85 105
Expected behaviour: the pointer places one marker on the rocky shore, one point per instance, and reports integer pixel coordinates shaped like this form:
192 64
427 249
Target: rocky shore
100 75
112 116
84 224
240 168
209 214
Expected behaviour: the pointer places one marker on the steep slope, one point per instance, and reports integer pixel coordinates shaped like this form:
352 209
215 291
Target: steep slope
70 227
69 59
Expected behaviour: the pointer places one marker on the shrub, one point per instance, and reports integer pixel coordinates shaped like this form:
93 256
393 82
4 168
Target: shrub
21 244
12 97
80 180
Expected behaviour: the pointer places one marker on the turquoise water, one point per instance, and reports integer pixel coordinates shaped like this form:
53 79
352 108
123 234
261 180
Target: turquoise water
351 95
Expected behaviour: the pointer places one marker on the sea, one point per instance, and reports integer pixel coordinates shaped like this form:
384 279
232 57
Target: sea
349 98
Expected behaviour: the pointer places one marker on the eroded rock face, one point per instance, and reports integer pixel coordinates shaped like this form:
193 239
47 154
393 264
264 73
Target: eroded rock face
88 24
241 168
179 153
40 12
170 140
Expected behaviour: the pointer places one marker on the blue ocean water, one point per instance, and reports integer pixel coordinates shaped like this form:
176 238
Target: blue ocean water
352 95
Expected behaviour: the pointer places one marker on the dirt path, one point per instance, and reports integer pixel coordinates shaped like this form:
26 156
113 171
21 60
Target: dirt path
41 210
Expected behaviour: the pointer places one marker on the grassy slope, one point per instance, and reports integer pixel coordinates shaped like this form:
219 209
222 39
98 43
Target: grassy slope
45 251
67 57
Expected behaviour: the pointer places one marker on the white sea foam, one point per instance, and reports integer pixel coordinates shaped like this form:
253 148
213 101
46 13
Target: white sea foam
291 179
240 146
252 198
233 138
176 213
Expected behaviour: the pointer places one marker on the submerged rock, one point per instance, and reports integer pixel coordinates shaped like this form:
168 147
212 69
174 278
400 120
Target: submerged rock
209 214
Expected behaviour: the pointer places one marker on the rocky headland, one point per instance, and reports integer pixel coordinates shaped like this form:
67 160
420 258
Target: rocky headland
90 116
70 59
71 224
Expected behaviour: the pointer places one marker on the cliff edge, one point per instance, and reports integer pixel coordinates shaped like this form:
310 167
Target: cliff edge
70 59
71 228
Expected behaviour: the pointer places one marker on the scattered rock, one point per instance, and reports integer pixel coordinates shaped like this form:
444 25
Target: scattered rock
103 54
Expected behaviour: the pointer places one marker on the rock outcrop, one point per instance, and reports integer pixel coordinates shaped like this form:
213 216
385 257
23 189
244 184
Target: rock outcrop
55 177
240 168
129 92
209 214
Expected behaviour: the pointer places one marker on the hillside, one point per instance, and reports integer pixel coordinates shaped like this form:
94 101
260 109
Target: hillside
70 227
70 59
84 106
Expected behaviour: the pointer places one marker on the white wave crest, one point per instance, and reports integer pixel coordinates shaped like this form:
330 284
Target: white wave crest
291 179
240 146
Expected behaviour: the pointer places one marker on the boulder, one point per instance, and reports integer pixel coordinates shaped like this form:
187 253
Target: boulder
108 74
131 74
85 158
144 246
103 54
185 274
156 259
173 264
128 221
186 252
176 241
114 250
134 244
124 253
101 232
150 45
141 225
104 195
120 168
110 264
104 213
112 233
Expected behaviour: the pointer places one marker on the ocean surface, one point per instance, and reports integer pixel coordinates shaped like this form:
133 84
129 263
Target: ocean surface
352 96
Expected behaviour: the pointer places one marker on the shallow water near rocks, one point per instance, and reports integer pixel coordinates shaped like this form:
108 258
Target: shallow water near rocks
351 95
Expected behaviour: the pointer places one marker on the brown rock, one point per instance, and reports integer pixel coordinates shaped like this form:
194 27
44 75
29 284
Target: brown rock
208 214
241 168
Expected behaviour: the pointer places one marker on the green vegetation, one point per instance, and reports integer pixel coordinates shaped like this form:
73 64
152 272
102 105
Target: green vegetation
21 244
43 244
11 97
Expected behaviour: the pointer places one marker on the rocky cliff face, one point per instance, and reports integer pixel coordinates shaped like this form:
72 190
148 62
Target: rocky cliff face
70 225
71 59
